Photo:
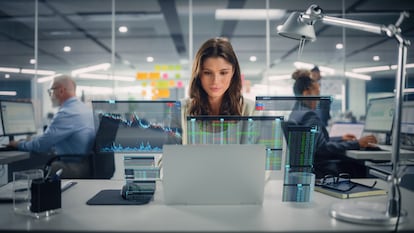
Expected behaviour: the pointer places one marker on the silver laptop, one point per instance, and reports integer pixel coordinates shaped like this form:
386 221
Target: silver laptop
213 174
338 129
379 119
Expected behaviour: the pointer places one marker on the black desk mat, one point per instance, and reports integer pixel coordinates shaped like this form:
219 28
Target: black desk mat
113 197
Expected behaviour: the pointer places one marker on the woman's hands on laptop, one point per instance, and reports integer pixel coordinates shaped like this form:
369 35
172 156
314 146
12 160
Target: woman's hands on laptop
349 137
368 141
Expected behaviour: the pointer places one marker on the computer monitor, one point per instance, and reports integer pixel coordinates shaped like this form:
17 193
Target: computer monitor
264 130
1 126
407 118
283 105
379 116
18 118
144 125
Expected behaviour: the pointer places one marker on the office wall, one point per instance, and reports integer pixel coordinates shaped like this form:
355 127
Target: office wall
356 97
22 88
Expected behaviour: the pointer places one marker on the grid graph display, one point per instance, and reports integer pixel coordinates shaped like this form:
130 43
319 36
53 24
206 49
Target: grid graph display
265 130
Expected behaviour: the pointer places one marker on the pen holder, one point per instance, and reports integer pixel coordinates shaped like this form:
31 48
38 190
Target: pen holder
33 196
46 195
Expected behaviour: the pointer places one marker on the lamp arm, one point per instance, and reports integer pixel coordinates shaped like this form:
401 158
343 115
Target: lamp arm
314 14
393 198
355 24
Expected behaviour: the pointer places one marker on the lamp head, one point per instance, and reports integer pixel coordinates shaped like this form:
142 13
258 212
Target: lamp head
295 28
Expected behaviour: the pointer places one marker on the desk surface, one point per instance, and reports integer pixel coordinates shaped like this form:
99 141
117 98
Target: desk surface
273 215
13 156
378 155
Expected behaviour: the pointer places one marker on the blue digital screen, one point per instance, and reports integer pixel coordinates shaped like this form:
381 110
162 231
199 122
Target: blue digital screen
143 126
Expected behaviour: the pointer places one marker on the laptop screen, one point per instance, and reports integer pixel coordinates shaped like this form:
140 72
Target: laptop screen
407 118
341 128
379 116
265 130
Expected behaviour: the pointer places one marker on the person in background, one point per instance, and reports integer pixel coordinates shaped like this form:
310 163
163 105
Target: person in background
324 106
216 84
71 130
330 155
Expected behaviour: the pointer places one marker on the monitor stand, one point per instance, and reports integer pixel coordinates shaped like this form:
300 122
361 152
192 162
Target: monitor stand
387 139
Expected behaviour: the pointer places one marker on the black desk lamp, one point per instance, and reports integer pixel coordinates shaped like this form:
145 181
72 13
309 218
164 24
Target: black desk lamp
299 26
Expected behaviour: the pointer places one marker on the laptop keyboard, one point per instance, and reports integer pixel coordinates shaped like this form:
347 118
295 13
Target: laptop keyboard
371 148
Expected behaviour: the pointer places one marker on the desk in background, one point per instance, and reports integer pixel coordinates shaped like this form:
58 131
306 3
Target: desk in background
378 155
274 215
7 157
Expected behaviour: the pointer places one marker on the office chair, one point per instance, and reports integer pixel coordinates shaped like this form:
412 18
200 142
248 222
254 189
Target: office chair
73 166
103 163
96 164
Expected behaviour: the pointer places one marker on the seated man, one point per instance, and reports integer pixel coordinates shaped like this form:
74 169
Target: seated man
71 131
330 155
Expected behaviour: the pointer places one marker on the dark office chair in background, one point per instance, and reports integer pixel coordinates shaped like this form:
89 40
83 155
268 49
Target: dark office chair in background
103 163
73 166
96 164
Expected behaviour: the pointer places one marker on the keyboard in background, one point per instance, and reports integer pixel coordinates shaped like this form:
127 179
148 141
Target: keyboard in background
7 148
381 147
371 148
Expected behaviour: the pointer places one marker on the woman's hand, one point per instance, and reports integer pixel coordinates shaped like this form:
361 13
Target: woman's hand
348 137
367 141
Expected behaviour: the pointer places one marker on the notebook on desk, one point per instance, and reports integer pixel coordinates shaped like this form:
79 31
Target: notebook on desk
213 174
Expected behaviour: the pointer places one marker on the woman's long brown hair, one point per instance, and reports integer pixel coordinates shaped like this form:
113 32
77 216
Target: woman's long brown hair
232 100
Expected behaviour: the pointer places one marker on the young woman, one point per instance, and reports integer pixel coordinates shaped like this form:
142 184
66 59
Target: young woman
216 84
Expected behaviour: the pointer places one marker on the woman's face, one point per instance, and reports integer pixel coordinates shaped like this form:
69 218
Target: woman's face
314 90
215 76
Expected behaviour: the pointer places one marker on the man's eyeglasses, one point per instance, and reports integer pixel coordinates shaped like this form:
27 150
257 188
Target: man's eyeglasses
341 182
50 90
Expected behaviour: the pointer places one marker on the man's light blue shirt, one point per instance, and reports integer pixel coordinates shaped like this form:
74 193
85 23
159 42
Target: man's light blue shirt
70 132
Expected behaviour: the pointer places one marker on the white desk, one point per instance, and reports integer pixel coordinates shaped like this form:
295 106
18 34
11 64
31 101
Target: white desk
378 155
274 215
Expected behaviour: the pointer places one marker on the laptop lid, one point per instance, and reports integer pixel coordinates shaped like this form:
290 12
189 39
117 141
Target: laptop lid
341 128
213 174
380 115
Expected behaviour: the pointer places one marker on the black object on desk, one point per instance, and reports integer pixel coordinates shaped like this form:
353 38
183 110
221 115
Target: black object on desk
46 195
371 148
113 197
136 192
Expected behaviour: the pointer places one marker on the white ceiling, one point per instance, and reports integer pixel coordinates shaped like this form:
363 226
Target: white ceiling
161 29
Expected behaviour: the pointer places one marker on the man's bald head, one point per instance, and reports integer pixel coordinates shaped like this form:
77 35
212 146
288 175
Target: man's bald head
63 87
66 82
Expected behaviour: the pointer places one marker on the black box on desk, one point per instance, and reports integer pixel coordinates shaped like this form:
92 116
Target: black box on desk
46 195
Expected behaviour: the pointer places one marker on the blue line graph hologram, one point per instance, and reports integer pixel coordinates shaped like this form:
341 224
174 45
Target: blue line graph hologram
144 126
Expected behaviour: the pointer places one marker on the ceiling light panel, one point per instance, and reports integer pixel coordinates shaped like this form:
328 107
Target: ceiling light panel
249 14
